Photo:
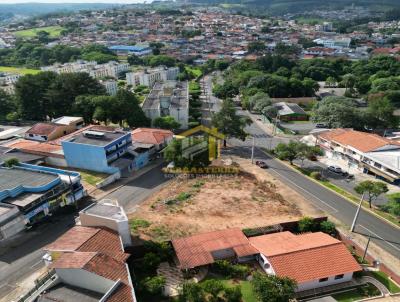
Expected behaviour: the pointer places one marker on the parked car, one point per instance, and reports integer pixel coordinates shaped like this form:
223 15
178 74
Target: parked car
335 169
262 164
320 125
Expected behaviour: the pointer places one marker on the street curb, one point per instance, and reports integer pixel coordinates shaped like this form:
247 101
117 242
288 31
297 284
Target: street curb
338 194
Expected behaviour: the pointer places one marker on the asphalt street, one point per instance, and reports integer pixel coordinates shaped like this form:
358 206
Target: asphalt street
137 190
383 234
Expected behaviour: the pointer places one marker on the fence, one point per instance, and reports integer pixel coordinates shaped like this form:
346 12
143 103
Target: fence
50 275
360 251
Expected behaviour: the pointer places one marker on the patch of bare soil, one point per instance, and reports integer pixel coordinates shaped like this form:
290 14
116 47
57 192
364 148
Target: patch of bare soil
186 206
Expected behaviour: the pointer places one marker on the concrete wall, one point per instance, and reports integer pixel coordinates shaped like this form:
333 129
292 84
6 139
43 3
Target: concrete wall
331 281
110 179
12 228
84 279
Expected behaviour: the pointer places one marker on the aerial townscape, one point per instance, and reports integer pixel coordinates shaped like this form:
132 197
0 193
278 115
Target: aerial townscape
199 151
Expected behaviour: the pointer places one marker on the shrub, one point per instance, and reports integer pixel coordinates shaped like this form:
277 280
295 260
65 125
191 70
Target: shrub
213 287
138 223
306 224
183 196
11 162
328 227
151 261
191 292
233 294
316 175
163 249
225 268
154 285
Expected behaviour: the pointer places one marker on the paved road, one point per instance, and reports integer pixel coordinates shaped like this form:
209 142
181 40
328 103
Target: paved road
210 103
383 234
23 255
134 192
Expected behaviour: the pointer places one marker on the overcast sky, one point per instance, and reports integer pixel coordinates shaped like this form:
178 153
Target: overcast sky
71 1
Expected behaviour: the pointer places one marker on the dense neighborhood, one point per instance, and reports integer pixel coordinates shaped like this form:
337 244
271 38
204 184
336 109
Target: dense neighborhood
200 152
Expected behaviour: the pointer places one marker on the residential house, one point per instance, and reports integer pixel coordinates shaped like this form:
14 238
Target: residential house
35 191
368 152
170 98
205 248
157 138
290 112
89 262
59 127
313 259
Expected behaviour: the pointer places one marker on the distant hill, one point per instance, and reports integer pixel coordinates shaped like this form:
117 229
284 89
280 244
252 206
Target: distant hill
293 6
33 9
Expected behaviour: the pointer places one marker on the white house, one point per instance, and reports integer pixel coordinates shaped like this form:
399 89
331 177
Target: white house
313 259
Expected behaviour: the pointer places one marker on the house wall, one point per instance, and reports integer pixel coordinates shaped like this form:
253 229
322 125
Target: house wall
87 157
223 254
331 281
84 279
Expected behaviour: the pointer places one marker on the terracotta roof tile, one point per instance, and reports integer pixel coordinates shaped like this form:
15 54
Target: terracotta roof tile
151 135
196 250
73 260
305 257
365 142
72 239
107 242
44 128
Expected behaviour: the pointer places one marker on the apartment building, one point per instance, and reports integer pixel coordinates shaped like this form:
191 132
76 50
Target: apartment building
110 69
368 152
148 77
170 98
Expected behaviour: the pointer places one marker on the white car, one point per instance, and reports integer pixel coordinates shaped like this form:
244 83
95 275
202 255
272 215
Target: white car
335 169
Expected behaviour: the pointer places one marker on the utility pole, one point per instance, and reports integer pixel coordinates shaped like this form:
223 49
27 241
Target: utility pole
353 225
366 248
273 131
252 151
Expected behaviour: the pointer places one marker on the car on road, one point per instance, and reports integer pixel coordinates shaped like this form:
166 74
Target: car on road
262 164
320 125
335 169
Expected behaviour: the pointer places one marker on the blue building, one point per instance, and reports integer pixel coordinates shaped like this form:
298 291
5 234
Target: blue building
100 151
30 192
139 50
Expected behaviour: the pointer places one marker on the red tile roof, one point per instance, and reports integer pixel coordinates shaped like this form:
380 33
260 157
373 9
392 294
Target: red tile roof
32 147
365 142
151 135
196 250
44 128
88 239
305 257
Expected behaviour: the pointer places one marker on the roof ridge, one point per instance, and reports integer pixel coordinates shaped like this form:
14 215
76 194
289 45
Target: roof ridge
308 249
97 230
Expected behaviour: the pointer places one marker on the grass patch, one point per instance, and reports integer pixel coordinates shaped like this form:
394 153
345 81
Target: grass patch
54 32
91 177
136 224
359 293
384 279
18 70
351 196
245 287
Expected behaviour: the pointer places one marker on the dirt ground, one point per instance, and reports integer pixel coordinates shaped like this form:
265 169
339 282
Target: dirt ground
253 198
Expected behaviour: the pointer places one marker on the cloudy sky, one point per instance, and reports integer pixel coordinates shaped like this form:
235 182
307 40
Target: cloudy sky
71 1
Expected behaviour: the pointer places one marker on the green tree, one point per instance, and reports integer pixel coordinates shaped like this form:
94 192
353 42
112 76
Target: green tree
154 285
330 82
191 292
135 60
151 261
233 294
328 227
256 47
213 287
166 122
229 123
287 151
270 288
372 189
6 104
381 113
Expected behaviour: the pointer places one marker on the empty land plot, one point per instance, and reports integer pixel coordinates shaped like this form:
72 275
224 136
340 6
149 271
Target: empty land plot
188 206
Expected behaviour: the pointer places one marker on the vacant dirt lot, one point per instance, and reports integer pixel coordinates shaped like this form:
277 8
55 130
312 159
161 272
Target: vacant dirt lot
251 199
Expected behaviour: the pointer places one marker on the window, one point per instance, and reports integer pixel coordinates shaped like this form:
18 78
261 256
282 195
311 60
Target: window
323 279
337 277
30 135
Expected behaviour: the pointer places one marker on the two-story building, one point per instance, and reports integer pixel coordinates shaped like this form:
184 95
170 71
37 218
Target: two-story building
102 151
368 152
